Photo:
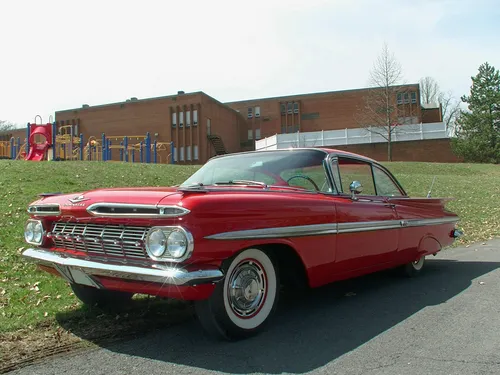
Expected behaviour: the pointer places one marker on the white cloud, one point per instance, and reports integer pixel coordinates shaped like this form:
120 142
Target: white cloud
61 54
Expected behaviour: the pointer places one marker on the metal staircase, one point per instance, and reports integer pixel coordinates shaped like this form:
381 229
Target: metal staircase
216 141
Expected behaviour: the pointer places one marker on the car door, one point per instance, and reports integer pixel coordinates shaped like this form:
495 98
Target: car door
368 225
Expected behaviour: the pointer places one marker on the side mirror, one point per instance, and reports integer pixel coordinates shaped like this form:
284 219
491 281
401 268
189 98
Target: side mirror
355 187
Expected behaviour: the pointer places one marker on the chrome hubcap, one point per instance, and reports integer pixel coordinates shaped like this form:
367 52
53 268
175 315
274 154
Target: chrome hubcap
247 288
417 264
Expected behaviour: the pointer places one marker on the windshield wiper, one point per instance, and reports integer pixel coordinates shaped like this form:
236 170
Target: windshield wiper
241 182
197 185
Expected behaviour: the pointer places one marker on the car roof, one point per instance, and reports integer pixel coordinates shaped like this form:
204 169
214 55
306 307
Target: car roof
322 149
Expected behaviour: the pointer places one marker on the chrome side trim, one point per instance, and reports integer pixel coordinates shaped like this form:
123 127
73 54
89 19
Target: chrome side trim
436 221
292 231
329 228
155 273
131 210
366 226
48 209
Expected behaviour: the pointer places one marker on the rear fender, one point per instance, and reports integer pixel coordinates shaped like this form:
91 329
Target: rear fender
428 245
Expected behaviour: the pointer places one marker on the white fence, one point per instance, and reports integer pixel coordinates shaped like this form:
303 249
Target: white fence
413 132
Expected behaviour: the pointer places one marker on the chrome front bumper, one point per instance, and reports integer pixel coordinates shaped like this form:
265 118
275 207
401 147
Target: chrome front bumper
71 268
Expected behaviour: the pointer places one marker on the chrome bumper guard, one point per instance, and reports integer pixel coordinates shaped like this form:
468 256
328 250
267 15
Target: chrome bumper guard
74 269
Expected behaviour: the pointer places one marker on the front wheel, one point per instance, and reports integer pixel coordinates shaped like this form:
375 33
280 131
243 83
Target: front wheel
241 306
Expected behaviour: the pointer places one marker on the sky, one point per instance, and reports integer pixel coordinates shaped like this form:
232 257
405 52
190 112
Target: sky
60 54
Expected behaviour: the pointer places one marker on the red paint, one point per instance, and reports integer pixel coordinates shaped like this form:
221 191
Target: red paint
326 257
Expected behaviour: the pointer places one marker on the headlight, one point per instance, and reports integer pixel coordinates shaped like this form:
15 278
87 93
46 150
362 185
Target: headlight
156 243
33 232
173 244
177 244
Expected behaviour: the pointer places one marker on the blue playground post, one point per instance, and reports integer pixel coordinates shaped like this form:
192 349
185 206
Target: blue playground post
121 152
54 146
109 149
81 146
148 148
172 158
154 152
125 146
142 153
18 147
104 149
28 138
12 148
133 155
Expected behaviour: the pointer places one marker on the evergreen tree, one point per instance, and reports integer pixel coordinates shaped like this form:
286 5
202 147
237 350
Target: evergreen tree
478 129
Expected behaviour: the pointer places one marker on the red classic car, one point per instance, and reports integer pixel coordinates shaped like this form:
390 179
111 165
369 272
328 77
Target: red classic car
235 231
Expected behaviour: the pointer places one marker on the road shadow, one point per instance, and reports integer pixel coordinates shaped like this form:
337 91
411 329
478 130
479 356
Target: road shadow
312 330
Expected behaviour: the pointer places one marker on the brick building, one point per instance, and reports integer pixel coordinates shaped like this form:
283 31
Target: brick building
201 127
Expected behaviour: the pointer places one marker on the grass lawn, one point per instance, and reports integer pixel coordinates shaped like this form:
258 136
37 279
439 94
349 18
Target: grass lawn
31 299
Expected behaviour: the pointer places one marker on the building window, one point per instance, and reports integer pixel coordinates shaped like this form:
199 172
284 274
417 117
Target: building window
175 154
188 119
400 98
289 108
181 119
209 126
283 108
174 119
413 97
195 152
250 111
250 134
182 154
283 129
407 100
257 111
195 117
257 133
295 107
188 152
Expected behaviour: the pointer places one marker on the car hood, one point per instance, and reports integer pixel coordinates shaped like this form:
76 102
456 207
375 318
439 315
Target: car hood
76 204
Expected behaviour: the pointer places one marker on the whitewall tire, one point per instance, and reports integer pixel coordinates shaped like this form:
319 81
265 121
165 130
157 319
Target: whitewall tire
244 301
414 268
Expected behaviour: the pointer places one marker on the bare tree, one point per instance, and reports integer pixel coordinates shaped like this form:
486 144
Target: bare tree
380 112
429 90
450 107
5 126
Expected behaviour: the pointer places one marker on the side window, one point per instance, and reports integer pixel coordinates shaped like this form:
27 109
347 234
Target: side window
354 170
385 185
302 178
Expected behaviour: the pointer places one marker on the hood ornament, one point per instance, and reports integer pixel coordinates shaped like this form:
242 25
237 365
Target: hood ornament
78 199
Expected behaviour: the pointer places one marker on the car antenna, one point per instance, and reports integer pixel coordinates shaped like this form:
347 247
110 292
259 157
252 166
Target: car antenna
429 193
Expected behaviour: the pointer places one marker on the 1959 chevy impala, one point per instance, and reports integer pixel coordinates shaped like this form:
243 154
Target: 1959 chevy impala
235 231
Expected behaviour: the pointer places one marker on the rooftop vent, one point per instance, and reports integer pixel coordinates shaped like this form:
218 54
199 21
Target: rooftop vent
85 106
180 92
133 99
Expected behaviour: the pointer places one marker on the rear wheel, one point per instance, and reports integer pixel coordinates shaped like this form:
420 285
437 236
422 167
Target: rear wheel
101 298
414 268
241 306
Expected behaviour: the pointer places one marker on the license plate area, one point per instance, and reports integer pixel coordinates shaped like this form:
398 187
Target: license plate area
77 276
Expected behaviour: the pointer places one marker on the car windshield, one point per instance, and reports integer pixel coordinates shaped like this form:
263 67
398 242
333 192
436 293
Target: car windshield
303 169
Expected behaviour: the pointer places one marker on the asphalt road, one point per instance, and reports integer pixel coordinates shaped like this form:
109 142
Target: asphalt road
447 321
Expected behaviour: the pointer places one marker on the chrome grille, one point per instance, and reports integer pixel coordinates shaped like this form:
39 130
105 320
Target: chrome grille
100 239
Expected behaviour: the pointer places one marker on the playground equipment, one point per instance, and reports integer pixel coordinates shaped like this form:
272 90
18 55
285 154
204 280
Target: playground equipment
38 145
48 142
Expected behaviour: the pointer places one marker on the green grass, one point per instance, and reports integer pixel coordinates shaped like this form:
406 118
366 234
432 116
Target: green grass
30 298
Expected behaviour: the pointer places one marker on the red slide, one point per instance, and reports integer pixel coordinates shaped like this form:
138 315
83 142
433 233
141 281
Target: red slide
38 152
